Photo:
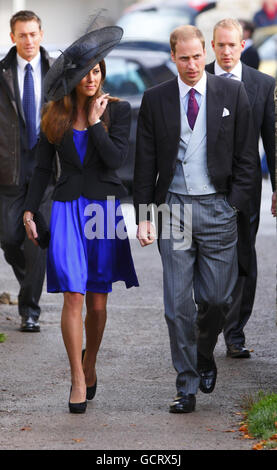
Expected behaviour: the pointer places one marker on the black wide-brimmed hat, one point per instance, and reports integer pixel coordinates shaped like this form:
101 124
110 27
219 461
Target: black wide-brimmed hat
78 59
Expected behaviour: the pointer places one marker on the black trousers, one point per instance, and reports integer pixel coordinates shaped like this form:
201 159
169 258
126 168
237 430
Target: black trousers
27 260
244 294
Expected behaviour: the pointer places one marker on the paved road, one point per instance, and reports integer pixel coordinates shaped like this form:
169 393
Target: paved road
135 375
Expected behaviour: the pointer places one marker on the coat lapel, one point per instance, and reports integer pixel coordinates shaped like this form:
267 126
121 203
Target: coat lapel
7 69
251 86
8 80
46 62
16 90
215 106
44 70
171 113
247 78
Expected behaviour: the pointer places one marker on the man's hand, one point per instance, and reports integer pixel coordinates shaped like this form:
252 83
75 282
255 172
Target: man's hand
146 233
273 204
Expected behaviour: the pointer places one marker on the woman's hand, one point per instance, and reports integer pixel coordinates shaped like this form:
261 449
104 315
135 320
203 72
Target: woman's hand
30 227
97 108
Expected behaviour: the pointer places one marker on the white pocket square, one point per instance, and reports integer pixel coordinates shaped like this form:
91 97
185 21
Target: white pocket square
226 112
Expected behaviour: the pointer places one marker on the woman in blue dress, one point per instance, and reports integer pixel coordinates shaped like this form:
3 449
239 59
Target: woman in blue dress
89 248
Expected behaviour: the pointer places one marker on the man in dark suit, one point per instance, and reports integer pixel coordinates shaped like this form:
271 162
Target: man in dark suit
195 160
228 45
21 97
249 54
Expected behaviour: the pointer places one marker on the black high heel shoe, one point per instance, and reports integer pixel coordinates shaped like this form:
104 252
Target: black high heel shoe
77 407
91 391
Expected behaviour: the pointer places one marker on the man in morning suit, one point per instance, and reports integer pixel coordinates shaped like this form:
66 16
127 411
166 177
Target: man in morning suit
249 55
228 45
21 97
194 152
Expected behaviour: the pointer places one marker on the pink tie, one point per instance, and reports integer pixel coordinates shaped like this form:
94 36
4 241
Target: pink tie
193 108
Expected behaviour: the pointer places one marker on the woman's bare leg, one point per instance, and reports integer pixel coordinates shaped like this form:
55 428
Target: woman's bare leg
94 324
72 332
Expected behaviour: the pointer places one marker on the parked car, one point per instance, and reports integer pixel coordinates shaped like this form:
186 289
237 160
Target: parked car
129 74
198 5
265 40
154 24
147 25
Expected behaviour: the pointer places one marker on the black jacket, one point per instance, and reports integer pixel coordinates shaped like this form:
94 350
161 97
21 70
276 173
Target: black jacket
231 154
260 91
96 178
250 56
16 161
231 157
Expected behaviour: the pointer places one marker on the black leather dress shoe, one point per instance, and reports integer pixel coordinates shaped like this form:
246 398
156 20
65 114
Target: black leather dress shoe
183 404
207 380
237 351
208 373
29 325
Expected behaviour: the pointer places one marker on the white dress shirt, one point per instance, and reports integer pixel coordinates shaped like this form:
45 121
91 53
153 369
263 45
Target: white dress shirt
36 72
200 88
236 72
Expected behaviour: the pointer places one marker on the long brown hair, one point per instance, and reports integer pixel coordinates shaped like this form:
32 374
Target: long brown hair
58 116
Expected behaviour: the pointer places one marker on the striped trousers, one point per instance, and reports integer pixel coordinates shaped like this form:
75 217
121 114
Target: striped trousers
198 279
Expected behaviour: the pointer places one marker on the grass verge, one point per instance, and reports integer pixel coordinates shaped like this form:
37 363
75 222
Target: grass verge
2 338
261 420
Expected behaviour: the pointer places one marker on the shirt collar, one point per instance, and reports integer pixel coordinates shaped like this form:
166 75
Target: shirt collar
35 62
237 70
200 86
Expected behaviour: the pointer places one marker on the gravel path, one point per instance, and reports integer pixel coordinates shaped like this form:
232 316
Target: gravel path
135 376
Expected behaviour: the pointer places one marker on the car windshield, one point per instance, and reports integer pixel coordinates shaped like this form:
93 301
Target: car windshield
124 77
152 24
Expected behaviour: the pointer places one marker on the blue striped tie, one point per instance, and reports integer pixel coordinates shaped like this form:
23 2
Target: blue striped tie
227 74
29 106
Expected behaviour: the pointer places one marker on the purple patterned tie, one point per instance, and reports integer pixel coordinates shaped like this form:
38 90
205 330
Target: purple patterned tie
193 108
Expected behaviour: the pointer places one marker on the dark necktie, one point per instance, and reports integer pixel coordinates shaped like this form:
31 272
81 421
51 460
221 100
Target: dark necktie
29 106
193 108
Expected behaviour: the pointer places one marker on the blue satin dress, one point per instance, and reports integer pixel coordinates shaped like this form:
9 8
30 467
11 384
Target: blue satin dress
89 248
